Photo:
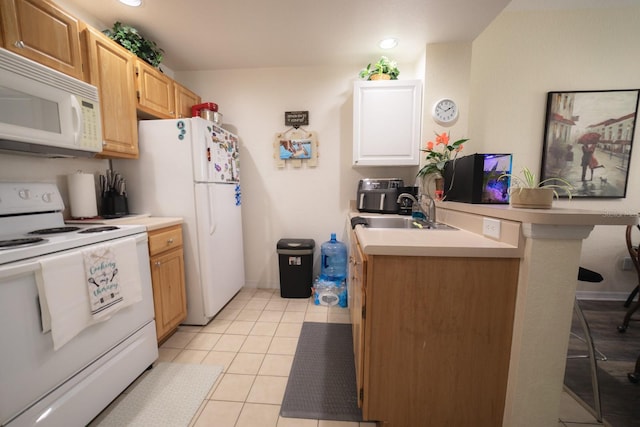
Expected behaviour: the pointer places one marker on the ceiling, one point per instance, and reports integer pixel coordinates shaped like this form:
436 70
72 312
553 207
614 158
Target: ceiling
228 34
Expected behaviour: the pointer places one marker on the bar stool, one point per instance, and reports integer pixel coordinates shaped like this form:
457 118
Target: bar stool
633 253
586 275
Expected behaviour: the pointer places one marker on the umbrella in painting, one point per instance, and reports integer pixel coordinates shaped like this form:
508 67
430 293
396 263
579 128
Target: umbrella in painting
589 138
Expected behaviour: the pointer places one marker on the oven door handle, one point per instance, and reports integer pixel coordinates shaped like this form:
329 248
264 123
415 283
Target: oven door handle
19 269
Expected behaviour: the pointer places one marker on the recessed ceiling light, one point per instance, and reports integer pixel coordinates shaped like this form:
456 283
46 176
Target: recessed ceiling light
388 43
133 3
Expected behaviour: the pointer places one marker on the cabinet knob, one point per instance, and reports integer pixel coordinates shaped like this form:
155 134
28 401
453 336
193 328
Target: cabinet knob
157 263
170 241
19 44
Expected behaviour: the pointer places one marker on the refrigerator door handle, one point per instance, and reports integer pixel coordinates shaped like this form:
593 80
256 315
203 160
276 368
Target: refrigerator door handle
210 201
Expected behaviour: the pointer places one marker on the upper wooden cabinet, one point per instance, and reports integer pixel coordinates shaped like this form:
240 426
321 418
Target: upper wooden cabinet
41 31
111 70
154 91
159 96
387 122
185 99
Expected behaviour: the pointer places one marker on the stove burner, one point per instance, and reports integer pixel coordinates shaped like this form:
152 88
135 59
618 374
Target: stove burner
99 229
54 230
13 243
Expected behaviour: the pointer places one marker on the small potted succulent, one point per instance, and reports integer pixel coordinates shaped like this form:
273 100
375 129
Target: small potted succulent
384 69
132 40
526 192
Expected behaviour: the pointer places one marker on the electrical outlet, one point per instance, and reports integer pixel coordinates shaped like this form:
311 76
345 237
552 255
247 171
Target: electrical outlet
627 264
491 227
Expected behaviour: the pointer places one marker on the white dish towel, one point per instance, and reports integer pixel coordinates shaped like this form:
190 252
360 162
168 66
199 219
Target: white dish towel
70 300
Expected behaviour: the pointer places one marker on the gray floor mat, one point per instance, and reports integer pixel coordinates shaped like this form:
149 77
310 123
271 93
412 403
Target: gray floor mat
322 381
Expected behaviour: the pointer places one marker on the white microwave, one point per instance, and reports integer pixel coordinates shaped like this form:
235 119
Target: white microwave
45 112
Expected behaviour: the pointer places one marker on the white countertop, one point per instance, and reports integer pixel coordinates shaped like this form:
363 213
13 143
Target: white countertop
467 240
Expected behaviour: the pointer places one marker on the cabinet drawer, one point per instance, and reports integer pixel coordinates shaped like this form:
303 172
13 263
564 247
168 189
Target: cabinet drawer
165 239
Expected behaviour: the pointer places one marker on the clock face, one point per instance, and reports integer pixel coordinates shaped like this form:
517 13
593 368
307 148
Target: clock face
445 111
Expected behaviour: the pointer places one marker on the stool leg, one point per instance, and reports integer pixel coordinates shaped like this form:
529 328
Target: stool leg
592 363
634 377
632 295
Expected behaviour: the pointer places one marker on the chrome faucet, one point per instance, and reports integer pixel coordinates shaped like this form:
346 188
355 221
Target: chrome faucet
429 215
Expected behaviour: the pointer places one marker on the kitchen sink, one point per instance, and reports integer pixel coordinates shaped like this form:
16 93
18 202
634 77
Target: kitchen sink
399 222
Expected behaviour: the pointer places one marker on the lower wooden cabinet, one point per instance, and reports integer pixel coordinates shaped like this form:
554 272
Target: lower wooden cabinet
167 278
357 293
432 337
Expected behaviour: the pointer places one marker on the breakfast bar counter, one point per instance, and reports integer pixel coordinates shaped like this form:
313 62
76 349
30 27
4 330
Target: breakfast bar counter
546 247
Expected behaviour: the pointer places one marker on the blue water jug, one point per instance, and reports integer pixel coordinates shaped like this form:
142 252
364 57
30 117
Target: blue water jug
333 260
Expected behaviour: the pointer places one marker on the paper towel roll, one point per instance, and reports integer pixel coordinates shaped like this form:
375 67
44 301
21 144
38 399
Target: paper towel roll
82 195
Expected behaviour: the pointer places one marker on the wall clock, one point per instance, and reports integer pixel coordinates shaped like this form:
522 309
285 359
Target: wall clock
445 111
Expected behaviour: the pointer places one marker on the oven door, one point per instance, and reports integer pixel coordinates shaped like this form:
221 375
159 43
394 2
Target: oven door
29 367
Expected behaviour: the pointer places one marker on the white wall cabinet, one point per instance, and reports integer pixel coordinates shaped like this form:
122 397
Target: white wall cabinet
387 122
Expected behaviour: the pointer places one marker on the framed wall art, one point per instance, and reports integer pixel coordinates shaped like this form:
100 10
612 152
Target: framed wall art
588 138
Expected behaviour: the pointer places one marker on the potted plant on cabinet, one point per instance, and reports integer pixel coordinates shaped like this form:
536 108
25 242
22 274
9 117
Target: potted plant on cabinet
130 39
384 69
526 192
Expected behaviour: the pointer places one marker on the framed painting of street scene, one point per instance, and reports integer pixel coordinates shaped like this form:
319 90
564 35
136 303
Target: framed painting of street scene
588 139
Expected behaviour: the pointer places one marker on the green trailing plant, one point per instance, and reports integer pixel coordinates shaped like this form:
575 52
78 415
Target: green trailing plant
132 40
529 180
383 66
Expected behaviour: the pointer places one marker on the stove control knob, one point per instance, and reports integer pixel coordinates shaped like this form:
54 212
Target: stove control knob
46 197
24 194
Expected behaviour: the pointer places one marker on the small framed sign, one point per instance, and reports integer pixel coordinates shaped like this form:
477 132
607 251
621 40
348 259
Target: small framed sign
296 118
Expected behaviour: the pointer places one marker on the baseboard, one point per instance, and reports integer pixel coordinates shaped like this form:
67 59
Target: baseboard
602 295
252 284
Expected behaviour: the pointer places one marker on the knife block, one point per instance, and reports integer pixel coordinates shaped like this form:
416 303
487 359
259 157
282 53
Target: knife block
114 205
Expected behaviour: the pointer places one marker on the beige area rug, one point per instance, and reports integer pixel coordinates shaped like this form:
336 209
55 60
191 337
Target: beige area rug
168 395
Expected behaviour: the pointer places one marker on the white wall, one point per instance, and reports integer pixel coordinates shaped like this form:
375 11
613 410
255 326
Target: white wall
40 169
523 55
289 203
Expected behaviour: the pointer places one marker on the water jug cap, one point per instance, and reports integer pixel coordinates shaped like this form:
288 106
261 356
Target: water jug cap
333 237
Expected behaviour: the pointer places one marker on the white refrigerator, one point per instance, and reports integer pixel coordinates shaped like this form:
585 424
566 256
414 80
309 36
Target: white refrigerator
189 168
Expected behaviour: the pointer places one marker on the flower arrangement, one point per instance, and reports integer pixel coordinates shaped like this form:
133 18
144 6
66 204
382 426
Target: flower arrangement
439 152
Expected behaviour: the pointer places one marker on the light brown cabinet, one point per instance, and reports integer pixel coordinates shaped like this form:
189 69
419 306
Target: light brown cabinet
167 279
111 70
159 96
154 91
41 31
357 297
185 99
432 337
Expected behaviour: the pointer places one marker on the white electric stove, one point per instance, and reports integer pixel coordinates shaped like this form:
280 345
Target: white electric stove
71 385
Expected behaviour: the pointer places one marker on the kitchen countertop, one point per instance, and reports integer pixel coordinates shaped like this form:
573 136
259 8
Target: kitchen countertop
553 216
449 243
151 222
468 240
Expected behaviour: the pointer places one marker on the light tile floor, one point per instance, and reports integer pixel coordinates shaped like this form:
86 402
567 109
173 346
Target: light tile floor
254 338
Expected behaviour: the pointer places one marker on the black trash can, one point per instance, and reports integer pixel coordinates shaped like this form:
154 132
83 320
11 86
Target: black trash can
296 267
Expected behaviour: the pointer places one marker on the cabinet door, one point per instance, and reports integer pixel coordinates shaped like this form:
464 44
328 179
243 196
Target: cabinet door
43 32
358 276
169 299
111 71
154 91
185 99
386 123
